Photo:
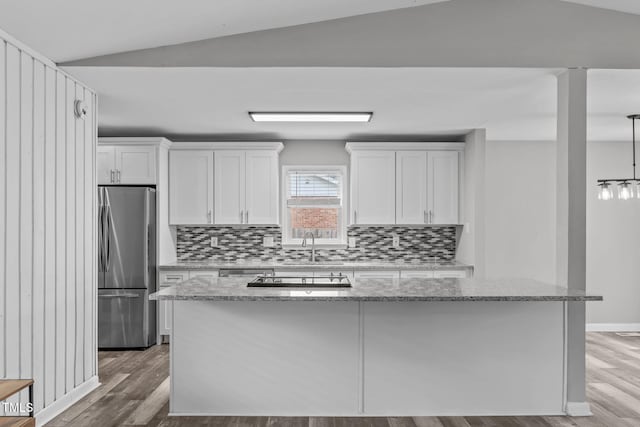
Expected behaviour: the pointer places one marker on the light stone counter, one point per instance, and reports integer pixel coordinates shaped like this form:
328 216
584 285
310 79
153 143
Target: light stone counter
235 289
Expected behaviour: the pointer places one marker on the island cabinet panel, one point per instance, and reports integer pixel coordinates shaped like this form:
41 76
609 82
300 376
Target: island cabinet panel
461 358
165 311
373 189
260 357
191 187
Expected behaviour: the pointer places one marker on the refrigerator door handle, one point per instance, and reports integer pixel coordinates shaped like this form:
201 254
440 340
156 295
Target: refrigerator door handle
107 240
147 238
118 296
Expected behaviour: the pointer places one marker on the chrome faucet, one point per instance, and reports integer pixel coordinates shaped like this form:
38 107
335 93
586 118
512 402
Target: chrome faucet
313 244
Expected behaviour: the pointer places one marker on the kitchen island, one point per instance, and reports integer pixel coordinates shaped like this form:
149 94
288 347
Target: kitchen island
381 347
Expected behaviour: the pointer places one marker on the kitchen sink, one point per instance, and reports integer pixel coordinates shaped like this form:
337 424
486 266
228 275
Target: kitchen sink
330 281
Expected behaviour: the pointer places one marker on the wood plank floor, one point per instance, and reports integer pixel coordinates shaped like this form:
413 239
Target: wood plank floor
135 392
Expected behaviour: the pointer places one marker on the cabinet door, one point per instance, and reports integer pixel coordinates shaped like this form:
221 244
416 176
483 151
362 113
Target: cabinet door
136 164
411 187
165 317
373 198
416 274
377 274
106 161
445 274
262 190
442 181
190 187
229 187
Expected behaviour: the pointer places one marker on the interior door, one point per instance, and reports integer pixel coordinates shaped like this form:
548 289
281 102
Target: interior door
229 185
411 187
443 186
190 187
262 189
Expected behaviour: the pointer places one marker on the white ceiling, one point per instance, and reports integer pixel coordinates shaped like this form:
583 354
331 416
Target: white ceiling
628 6
407 102
64 30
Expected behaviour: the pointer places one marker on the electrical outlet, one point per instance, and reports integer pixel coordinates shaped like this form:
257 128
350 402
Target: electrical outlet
396 241
267 241
214 242
352 242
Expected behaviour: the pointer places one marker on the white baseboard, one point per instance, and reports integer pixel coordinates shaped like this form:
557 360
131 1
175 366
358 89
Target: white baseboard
613 327
578 409
60 405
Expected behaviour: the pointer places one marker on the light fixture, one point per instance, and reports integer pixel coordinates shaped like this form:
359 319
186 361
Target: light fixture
627 187
310 116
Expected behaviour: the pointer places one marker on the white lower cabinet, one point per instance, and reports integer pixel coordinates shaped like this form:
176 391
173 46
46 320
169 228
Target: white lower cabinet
369 274
165 312
447 274
416 274
203 273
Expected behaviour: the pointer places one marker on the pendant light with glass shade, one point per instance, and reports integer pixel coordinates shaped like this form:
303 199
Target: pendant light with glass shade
628 188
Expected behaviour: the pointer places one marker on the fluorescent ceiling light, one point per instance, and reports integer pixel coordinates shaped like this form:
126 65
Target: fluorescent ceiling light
310 116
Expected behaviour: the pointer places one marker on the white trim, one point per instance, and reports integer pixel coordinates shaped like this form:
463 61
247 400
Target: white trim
57 407
320 243
159 141
26 49
612 327
578 409
229 145
400 146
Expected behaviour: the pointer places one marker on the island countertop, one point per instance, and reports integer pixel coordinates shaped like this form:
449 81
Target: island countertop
368 289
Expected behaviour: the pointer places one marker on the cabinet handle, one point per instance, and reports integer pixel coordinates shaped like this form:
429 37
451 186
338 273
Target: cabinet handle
118 175
424 217
246 217
241 217
355 217
209 217
430 217
113 176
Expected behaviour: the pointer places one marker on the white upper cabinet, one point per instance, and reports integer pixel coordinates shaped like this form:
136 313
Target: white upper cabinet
443 194
405 183
246 187
373 187
411 187
191 187
229 187
261 194
126 164
106 159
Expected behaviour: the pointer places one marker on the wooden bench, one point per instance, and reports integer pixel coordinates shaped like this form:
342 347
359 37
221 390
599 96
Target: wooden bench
7 389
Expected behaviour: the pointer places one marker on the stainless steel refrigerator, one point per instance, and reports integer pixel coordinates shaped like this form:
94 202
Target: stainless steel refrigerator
127 265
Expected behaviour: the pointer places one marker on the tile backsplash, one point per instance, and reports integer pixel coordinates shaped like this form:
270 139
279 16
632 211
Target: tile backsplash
373 243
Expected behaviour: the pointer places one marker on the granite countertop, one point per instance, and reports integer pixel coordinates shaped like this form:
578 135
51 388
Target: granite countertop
322 265
235 289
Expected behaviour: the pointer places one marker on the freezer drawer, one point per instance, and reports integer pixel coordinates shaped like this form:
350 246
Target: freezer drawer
124 318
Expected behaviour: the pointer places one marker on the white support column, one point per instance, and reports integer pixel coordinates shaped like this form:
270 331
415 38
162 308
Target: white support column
571 224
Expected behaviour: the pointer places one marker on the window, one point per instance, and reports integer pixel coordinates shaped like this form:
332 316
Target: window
314 202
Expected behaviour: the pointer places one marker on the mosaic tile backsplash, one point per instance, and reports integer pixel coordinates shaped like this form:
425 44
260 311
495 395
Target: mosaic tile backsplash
374 243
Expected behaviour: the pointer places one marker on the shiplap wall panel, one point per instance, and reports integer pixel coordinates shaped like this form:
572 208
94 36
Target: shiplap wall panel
3 50
61 229
12 221
26 217
50 237
47 216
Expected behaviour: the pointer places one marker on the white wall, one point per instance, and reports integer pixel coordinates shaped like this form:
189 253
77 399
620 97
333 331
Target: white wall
520 215
47 211
613 239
